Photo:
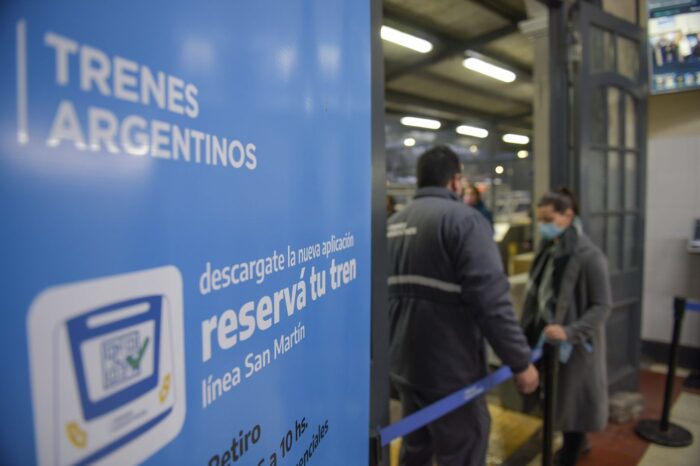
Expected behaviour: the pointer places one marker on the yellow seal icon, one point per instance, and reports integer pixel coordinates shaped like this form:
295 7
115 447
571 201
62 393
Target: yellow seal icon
76 435
164 388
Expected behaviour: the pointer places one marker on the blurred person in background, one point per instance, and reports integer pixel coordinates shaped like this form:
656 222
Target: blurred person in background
390 205
448 294
684 49
567 300
696 48
472 198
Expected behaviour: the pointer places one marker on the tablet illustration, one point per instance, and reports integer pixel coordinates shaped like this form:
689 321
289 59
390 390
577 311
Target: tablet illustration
107 366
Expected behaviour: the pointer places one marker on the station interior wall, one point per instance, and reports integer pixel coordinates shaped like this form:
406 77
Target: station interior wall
673 202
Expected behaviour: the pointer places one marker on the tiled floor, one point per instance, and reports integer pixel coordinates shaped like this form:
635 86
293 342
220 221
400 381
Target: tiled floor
617 445
509 431
686 413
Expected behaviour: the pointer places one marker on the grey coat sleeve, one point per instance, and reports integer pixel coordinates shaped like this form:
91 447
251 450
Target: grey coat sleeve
599 297
485 290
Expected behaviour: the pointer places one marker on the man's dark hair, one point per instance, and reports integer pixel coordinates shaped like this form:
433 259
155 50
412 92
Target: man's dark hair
437 166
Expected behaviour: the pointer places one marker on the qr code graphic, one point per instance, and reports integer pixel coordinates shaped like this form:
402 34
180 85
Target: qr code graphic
116 352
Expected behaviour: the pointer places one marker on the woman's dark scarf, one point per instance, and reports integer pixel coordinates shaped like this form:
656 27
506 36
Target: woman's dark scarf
533 319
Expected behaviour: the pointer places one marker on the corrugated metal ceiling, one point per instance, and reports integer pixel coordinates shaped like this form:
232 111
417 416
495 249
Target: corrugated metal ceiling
436 83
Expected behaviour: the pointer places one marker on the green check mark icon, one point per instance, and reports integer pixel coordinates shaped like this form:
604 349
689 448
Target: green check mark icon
135 362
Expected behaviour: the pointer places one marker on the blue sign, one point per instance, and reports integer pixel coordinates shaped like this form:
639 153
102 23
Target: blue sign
185 194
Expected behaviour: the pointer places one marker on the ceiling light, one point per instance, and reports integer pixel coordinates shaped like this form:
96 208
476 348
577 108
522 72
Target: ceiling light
473 148
515 139
522 154
420 122
409 142
472 131
499 169
406 40
492 71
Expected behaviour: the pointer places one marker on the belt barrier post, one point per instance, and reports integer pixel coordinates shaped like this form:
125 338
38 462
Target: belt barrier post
664 432
550 367
375 447
693 380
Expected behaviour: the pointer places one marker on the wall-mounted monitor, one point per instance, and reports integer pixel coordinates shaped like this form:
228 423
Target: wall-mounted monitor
674 43
694 243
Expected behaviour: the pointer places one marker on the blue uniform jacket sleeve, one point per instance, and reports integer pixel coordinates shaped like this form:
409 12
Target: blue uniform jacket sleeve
485 290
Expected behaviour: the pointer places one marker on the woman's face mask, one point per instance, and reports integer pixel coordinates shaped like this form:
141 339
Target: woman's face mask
552 223
550 231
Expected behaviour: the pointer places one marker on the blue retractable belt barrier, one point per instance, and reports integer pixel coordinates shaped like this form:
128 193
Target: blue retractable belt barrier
451 402
692 306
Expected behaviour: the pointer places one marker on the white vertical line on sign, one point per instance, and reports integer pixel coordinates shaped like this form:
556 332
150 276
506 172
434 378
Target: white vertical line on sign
22 131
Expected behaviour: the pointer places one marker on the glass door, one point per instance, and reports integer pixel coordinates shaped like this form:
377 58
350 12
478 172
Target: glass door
610 96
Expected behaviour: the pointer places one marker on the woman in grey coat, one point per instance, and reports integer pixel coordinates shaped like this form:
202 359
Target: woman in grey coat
568 300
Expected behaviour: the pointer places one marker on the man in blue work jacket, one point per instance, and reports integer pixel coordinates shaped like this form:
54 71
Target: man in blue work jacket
448 293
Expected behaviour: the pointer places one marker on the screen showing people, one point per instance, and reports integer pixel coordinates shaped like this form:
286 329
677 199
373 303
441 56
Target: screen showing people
674 38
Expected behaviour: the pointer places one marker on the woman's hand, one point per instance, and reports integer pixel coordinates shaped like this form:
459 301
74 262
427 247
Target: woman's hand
555 332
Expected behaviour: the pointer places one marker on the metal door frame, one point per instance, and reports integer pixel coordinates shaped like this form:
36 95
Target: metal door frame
379 349
626 284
